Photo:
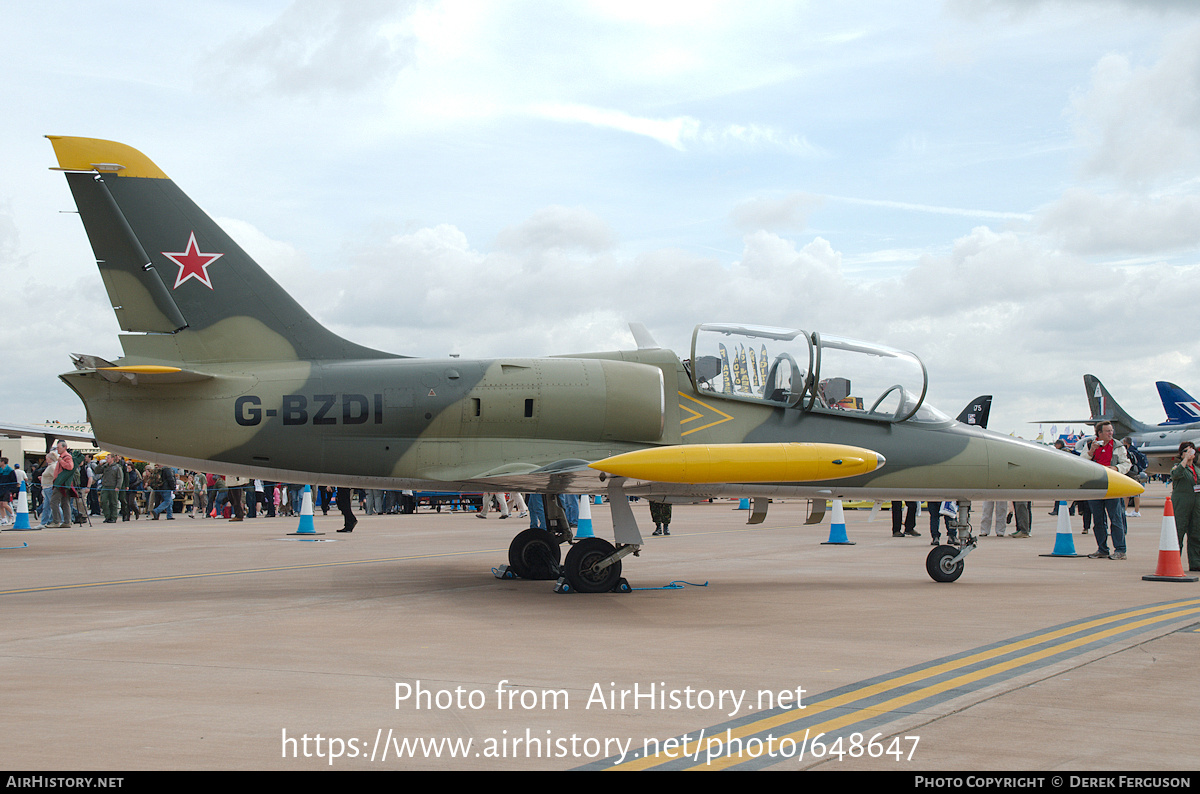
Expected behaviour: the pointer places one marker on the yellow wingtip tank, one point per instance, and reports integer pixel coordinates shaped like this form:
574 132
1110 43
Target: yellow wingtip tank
742 463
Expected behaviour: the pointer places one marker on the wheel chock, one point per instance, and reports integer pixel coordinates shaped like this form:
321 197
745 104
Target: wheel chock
563 586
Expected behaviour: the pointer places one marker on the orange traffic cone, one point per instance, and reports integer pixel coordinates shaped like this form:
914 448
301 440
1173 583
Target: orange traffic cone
1170 565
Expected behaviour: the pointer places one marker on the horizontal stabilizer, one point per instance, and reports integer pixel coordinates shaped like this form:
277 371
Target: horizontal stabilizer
741 463
133 374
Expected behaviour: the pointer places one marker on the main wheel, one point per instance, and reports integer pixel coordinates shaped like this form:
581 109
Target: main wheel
534 554
941 566
578 566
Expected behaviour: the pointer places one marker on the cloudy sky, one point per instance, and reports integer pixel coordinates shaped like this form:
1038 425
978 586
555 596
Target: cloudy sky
1008 188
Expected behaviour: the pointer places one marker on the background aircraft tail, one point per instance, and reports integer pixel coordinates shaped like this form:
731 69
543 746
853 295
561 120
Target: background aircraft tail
174 276
1181 407
977 411
1104 407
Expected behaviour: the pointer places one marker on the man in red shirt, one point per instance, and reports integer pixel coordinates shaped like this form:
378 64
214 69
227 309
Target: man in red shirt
1108 453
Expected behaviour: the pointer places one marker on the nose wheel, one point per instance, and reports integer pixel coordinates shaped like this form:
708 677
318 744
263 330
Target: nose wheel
945 563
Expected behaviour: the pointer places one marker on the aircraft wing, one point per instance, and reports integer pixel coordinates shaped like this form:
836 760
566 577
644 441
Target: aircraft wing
49 432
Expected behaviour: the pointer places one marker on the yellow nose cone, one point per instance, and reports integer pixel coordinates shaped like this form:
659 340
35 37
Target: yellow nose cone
1120 486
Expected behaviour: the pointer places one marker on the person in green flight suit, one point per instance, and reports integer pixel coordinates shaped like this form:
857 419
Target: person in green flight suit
1186 500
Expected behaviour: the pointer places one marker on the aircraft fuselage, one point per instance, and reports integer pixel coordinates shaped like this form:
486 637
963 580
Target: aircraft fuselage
402 423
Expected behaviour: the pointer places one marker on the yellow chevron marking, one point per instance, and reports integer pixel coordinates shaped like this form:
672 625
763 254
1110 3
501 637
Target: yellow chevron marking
725 417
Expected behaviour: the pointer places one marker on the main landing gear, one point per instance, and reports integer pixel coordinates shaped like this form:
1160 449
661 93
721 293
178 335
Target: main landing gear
592 565
946 562
535 554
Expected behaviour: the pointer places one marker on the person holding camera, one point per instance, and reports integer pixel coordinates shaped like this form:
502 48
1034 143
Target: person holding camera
1104 449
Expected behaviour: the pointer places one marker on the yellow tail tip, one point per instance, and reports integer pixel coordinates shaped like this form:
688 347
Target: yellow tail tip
94 154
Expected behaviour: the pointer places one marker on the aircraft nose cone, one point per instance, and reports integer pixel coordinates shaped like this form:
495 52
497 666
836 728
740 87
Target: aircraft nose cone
1120 486
879 460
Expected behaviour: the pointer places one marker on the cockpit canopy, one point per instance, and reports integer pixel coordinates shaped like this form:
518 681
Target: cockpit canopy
796 369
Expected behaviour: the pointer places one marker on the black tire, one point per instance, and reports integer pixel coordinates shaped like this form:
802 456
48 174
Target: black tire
582 556
939 564
534 554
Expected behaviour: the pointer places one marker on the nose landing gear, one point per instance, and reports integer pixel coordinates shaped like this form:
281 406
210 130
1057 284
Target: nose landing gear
945 563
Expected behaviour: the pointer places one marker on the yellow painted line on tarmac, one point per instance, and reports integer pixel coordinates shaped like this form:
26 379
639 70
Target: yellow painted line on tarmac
1181 609
249 570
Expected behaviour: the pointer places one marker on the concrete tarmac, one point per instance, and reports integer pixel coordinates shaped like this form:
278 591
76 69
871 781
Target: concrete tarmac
204 644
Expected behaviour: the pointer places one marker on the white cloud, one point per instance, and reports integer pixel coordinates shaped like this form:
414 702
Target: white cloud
1143 123
670 132
965 212
682 132
316 48
785 214
1090 223
558 228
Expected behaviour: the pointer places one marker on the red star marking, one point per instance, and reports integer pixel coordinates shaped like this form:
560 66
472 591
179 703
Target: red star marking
192 263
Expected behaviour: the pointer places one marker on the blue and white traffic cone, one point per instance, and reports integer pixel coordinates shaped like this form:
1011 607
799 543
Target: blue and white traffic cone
837 529
306 515
22 521
584 530
1064 541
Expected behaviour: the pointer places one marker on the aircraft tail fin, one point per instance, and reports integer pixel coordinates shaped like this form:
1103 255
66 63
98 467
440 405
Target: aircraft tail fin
173 275
1104 407
1181 407
977 411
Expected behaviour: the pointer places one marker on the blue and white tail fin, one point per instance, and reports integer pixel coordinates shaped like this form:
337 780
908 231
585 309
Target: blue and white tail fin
1181 407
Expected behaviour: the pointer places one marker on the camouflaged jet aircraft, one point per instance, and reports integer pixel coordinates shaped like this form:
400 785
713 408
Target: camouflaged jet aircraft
223 370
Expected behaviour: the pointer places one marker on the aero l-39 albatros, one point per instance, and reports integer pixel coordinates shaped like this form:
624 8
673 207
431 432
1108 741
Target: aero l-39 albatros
223 370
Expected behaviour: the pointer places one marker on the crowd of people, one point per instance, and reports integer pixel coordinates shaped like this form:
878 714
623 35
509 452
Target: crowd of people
67 486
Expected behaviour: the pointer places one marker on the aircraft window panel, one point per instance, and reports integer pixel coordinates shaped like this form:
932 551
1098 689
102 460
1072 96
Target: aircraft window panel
791 368
874 381
751 363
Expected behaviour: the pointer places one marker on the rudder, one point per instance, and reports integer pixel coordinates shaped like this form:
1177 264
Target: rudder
1181 407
